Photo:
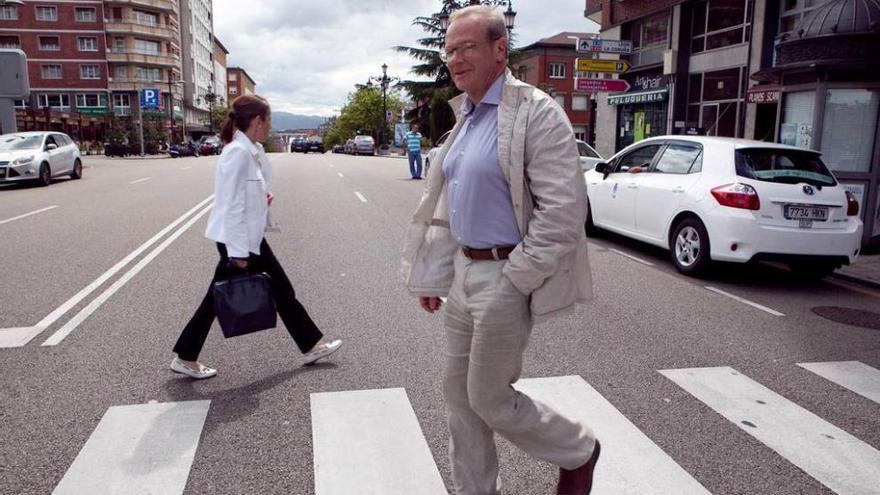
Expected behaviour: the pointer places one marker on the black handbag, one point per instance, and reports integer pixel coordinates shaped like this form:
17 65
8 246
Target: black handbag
244 304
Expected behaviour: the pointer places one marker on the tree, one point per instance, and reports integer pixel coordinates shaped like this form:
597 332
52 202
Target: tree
362 114
218 116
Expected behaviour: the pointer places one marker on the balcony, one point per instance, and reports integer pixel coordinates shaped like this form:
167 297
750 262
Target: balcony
162 5
137 84
152 59
135 27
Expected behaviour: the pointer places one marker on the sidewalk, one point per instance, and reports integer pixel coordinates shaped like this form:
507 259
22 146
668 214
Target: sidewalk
865 271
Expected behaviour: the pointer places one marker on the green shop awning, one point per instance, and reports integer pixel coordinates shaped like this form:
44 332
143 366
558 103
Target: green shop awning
639 97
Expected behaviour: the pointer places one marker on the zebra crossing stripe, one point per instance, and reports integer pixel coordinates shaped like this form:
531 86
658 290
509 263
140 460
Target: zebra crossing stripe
832 456
852 375
630 463
146 448
369 442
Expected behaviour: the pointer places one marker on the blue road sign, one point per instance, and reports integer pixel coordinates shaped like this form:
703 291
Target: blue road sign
150 99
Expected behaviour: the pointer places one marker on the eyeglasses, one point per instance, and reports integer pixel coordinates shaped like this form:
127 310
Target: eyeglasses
465 50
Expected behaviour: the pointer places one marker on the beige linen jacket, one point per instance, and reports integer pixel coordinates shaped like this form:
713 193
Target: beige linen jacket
538 155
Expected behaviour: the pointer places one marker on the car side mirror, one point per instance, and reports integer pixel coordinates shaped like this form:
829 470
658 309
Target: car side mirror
51 146
602 168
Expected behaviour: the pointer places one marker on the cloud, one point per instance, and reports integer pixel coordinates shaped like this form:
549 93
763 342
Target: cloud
306 56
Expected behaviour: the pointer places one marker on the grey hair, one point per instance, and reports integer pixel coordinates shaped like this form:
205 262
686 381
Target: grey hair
496 28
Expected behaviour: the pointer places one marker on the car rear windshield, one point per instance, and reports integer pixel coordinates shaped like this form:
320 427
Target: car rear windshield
363 138
783 166
12 143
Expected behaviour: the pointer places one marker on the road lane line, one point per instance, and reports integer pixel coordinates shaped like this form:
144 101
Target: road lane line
633 463
19 336
851 375
745 301
369 441
632 257
41 210
96 303
147 446
140 180
186 168
838 460
340 175
360 197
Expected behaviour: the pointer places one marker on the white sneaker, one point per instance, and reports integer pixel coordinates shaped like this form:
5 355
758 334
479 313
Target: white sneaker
204 372
322 351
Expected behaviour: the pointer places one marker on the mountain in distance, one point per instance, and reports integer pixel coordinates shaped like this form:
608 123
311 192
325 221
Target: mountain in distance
286 120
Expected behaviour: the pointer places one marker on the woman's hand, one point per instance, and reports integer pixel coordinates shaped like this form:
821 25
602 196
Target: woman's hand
270 197
240 263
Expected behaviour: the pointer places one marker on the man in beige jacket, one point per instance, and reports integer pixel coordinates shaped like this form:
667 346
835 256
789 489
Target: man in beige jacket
500 232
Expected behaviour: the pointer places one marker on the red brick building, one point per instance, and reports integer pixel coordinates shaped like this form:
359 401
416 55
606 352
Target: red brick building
238 82
67 64
549 64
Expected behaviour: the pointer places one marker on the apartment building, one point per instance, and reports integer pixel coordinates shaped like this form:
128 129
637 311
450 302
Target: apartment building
238 83
219 85
197 40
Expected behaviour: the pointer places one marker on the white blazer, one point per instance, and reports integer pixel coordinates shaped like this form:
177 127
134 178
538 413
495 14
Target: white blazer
240 216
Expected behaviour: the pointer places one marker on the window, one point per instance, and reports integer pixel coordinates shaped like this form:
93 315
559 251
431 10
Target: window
8 13
93 100
580 102
149 74
678 159
233 76
47 14
146 18
781 165
716 102
560 99
53 100
50 43
557 70
121 100
89 72
51 71
10 42
120 72
796 126
233 90
580 132
146 47
88 44
641 157
584 148
649 37
20 104
119 45
86 14
849 128
720 23
793 11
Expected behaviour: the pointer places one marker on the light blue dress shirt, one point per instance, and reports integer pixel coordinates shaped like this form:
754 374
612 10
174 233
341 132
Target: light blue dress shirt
481 212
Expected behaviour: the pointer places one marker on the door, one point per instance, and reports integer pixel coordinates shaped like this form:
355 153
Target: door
67 156
665 187
613 204
56 156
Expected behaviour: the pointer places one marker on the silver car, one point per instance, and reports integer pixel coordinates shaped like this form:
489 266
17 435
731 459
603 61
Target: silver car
364 145
38 156
432 153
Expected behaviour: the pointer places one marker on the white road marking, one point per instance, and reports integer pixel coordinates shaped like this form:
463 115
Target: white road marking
340 175
832 456
19 336
360 197
852 375
186 168
746 301
630 462
369 441
148 446
631 257
41 210
140 180
96 303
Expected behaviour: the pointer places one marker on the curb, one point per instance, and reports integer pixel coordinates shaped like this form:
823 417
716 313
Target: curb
856 280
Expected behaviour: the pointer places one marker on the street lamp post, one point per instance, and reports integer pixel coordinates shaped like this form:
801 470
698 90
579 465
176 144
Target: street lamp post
384 81
210 97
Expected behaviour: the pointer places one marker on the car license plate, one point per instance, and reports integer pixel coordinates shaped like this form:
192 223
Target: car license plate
795 212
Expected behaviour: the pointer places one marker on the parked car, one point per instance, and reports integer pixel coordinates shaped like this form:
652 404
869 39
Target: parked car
432 153
589 157
38 157
364 145
210 145
349 147
187 149
722 199
338 148
316 146
299 145
117 149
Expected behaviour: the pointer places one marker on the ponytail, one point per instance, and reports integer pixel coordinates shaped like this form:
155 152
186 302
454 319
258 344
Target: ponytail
244 109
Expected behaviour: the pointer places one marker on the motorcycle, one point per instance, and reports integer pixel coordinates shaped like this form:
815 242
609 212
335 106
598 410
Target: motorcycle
178 150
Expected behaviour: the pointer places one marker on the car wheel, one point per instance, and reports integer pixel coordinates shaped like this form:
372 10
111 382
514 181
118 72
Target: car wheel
77 170
589 227
690 247
812 271
45 175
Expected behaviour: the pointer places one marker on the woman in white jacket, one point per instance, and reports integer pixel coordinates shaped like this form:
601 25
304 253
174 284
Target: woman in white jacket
237 224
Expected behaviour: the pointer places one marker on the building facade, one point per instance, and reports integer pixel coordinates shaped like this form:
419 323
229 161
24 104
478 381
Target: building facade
238 83
550 64
196 36
801 72
219 84
67 65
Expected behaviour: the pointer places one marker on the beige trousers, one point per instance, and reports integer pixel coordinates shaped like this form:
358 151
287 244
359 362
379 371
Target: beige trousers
488 324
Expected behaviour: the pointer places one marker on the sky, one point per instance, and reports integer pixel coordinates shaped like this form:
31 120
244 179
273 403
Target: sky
307 55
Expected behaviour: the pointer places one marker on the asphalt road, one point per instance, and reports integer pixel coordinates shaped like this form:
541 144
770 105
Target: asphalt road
342 221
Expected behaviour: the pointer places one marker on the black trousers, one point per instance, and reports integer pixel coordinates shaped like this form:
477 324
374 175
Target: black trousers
300 326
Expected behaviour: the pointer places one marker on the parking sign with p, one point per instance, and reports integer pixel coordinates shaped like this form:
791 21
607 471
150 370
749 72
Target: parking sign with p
149 99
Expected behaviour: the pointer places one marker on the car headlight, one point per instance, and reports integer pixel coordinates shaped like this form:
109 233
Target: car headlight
23 160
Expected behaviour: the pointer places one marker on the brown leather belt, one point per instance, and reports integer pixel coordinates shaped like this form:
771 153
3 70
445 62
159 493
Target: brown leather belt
497 253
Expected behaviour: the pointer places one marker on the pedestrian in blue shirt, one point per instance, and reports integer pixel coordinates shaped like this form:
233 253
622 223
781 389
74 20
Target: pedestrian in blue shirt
412 140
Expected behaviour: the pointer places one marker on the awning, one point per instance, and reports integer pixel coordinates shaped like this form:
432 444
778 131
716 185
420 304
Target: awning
764 93
651 96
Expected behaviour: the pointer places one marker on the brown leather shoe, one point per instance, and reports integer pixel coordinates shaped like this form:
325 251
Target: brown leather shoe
578 481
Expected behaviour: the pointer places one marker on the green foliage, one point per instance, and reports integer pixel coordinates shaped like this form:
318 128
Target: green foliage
362 114
218 116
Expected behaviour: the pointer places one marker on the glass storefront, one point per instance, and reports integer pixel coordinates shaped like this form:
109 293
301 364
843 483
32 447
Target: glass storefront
849 129
640 121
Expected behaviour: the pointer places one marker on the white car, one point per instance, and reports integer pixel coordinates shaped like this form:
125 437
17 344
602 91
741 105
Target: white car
38 156
432 153
724 199
588 156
